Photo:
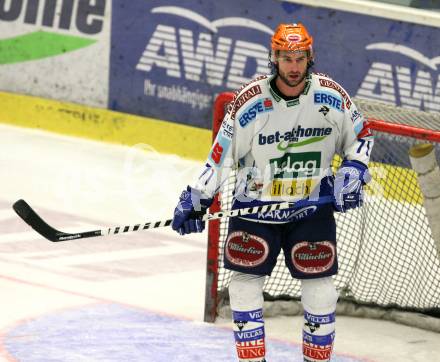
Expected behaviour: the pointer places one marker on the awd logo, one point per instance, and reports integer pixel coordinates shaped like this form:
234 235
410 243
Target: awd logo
404 86
84 16
205 56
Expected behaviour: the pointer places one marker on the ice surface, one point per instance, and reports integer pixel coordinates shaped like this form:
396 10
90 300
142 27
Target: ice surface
123 296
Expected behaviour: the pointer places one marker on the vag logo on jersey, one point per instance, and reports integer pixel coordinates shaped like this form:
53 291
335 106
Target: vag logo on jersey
250 113
329 99
204 56
294 165
414 86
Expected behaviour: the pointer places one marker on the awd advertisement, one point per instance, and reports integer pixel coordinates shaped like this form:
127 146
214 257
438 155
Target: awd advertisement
169 59
56 49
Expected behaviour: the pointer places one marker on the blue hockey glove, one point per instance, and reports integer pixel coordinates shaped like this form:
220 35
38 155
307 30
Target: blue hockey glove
189 211
348 183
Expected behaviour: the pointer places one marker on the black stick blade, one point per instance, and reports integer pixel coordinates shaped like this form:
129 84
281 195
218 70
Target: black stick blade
23 210
31 218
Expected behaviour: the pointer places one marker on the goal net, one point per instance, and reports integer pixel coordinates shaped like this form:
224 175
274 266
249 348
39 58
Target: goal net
389 264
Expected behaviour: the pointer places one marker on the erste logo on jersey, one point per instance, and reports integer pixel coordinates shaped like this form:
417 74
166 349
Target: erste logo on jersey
244 97
250 113
329 99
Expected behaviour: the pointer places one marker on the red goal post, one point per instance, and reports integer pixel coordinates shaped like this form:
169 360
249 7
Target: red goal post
400 129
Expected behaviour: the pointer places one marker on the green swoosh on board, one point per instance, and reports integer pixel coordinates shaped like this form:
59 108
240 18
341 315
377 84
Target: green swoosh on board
39 45
299 144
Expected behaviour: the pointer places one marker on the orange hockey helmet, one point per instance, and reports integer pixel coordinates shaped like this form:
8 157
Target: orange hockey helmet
292 37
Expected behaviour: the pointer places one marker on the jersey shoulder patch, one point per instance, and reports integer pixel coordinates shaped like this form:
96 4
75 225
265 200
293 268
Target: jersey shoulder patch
250 83
245 94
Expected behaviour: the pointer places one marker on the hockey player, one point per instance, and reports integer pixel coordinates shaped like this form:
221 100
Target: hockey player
282 132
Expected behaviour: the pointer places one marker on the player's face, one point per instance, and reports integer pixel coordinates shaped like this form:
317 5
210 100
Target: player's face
292 67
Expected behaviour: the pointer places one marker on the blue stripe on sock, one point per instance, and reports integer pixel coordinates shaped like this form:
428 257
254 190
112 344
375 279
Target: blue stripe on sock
250 335
319 340
251 316
320 319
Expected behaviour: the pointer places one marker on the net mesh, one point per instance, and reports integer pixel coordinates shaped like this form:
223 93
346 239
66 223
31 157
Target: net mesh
387 256
398 115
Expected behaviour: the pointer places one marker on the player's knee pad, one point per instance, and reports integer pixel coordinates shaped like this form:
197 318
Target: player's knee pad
246 291
319 297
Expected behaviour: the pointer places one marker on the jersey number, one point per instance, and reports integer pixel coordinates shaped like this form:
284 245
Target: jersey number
362 144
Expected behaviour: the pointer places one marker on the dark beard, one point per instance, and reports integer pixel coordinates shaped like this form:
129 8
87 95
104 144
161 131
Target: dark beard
292 84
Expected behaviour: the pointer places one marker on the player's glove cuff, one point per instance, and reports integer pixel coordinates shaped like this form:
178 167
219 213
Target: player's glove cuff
348 183
188 213
355 168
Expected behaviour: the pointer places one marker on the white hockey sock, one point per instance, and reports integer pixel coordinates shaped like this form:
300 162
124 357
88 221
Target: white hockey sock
319 299
246 298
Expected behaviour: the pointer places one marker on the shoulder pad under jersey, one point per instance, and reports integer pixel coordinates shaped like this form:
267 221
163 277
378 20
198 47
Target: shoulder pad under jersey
247 92
324 81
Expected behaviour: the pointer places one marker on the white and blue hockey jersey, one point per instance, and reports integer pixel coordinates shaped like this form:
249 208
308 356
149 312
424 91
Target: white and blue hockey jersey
282 149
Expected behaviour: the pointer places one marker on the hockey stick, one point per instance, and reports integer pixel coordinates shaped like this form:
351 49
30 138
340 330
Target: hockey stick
23 210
